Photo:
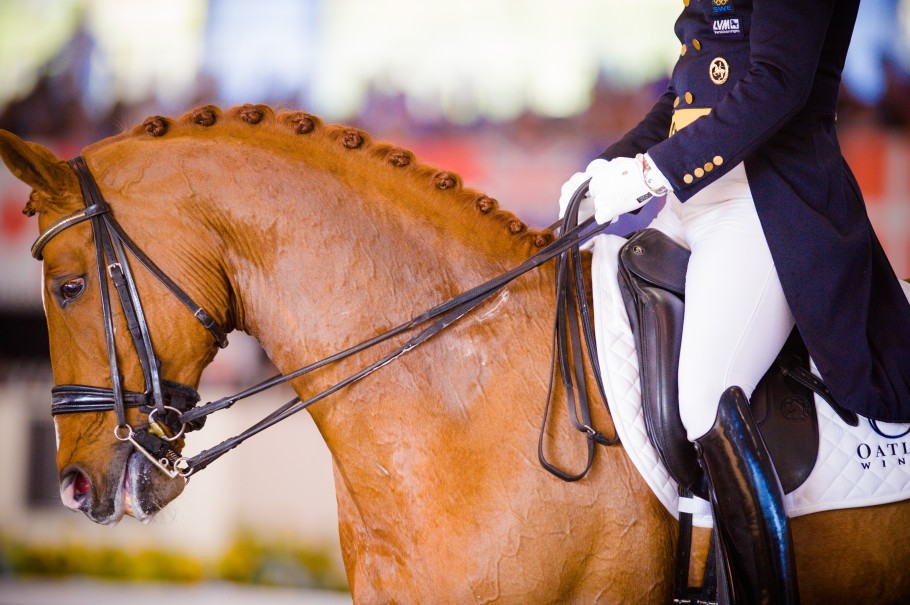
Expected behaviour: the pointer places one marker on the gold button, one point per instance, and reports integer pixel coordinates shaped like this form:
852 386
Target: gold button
685 2
696 44
687 179
709 167
699 173
676 102
689 98
682 51
718 160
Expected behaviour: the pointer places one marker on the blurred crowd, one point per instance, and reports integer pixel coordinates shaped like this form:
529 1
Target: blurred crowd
54 109
876 91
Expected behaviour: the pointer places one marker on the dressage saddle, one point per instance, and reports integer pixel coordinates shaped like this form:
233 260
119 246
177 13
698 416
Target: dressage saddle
652 273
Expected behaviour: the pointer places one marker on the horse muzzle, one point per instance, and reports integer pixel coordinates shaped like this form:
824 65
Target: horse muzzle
134 487
128 480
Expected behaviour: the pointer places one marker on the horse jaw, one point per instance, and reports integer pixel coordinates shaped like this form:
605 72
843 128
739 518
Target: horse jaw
146 489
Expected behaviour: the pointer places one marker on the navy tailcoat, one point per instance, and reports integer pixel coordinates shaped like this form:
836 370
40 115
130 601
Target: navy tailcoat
767 73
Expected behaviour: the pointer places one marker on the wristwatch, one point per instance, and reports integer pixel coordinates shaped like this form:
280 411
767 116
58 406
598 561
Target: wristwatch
653 179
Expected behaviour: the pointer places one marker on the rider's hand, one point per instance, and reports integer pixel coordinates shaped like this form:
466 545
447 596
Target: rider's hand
586 209
619 187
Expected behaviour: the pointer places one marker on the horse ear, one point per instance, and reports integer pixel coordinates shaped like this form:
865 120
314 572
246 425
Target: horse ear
33 164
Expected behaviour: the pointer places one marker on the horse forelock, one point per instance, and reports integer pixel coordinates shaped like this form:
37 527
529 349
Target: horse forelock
301 128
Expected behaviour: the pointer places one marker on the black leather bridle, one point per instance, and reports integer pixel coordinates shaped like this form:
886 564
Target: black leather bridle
174 404
166 399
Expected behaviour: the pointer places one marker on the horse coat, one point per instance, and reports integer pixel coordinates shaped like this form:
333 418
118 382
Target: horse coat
757 82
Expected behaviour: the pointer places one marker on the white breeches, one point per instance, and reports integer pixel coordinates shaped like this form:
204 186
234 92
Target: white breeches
736 318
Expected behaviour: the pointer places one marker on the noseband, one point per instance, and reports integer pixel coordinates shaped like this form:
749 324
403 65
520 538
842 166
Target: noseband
174 405
162 398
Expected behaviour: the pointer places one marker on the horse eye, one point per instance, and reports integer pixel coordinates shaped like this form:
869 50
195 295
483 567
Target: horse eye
71 289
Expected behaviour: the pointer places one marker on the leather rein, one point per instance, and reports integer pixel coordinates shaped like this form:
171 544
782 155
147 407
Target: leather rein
174 405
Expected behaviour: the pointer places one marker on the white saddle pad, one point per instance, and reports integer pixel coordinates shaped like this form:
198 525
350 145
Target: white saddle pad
856 466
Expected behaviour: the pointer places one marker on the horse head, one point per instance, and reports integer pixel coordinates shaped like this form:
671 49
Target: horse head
100 471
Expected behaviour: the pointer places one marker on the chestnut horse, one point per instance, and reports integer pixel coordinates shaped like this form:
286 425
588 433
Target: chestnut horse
313 238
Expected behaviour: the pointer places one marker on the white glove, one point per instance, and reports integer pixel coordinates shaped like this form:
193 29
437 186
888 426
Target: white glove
586 209
619 187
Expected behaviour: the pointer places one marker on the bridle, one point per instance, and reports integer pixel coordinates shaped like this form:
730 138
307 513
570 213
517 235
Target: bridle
166 399
174 405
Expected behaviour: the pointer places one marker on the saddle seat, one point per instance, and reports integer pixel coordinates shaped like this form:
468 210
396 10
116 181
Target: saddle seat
652 273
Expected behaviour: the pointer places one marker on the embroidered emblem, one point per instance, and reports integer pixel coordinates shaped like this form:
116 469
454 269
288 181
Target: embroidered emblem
719 71
795 409
722 8
727 27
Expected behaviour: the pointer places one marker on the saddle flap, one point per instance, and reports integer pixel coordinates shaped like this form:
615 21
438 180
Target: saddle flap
652 270
656 259
785 412
652 291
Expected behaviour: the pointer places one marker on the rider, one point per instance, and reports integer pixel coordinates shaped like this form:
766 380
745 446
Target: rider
743 144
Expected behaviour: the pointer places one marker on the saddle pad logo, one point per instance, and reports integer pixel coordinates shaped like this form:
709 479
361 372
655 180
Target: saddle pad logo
882 455
727 27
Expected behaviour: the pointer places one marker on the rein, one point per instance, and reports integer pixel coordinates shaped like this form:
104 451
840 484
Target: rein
174 404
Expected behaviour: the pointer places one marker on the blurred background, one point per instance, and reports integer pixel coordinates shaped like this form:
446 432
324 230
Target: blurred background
514 95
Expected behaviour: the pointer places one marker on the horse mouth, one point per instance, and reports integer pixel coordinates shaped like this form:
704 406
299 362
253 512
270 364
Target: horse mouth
145 489
140 491
128 487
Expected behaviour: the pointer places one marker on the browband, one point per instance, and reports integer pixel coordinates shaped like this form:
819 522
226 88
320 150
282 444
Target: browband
64 223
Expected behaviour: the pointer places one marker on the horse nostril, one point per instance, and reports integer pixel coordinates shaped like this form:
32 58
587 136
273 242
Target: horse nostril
74 489
81 485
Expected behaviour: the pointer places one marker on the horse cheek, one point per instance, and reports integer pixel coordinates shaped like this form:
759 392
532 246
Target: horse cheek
82 441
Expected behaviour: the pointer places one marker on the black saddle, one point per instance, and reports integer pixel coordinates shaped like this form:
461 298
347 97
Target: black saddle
652 274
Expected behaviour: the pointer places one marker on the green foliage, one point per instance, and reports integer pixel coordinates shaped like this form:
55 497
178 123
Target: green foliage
21 559
248 560
280 564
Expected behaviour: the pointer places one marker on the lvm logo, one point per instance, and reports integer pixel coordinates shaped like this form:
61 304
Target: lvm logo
724 27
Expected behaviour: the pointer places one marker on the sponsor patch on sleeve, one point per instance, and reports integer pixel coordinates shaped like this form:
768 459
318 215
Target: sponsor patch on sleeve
727 27
722 8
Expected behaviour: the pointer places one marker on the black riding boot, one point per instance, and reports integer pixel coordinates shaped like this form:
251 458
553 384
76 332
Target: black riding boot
748 506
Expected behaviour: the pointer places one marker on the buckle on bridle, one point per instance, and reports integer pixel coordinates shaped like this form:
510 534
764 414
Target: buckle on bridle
110 269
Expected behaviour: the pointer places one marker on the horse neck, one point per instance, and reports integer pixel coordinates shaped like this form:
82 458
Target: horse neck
321 258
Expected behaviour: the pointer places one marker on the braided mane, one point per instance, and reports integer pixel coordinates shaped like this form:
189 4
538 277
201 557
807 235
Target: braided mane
308 128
